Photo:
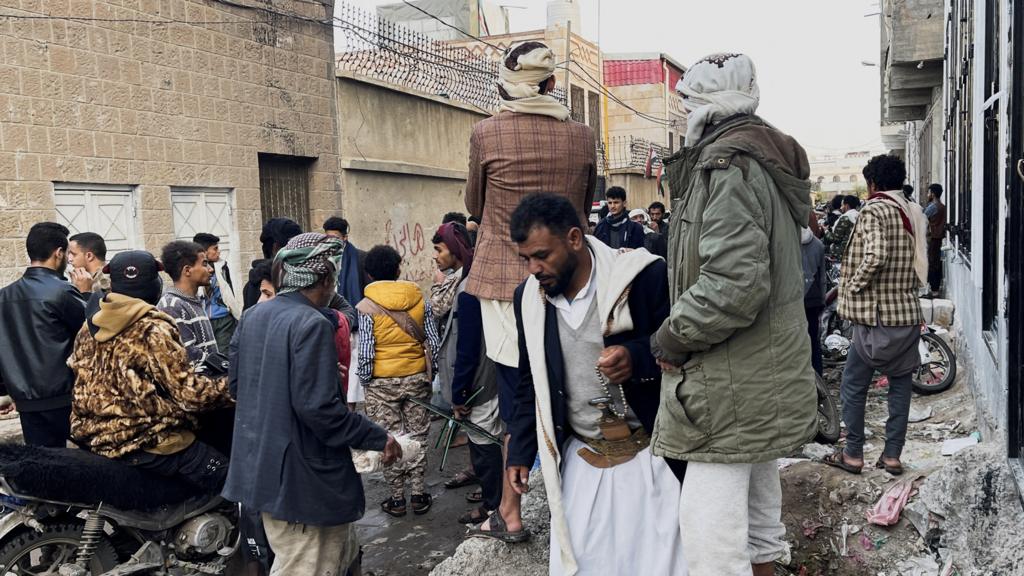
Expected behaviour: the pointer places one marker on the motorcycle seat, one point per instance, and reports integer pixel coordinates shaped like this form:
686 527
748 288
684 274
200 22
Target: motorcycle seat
74 476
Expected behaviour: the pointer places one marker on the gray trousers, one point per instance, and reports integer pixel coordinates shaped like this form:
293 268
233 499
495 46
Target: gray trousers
853 395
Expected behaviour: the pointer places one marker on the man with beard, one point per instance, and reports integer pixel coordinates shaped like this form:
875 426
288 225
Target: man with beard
588 394
511 156
41 314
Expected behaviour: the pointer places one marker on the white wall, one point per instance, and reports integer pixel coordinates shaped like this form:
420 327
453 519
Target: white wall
984 353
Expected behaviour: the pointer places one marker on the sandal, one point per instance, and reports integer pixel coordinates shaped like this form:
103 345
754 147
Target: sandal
896 470
499 531
394 506
464 478
476 496
836 460
421 503
475 516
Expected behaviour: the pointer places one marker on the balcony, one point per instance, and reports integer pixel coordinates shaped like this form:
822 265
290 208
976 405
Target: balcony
912 53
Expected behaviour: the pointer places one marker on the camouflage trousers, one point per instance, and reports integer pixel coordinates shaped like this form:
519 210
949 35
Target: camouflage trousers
388 404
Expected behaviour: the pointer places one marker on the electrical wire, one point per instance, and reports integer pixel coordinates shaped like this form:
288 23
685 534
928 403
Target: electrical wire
604 90
452 26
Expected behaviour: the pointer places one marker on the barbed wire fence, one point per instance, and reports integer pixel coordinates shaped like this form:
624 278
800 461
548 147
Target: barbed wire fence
377 48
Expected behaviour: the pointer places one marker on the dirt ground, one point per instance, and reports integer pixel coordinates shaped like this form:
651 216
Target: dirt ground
824 508
413 545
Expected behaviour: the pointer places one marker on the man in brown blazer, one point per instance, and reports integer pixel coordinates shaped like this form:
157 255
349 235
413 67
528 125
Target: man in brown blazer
529 146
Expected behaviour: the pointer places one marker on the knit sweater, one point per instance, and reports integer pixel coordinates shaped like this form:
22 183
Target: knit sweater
193 324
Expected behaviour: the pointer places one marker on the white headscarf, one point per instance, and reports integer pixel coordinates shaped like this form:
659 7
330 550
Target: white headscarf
521 82
716 87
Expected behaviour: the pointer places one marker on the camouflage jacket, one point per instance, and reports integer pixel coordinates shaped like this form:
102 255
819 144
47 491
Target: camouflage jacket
135 389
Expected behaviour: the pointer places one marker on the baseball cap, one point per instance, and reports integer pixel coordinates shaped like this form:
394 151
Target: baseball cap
135 273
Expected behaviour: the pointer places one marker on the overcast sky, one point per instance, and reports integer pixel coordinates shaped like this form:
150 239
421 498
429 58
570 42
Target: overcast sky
808 54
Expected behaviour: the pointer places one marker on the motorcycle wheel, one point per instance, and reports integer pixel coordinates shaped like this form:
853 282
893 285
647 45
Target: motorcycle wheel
29 552
828 415
940 371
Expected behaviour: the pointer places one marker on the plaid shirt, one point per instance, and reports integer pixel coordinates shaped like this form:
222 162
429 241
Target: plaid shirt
512 155
878 280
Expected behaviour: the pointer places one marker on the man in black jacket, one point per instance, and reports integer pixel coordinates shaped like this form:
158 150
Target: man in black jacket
588 395
616 229
42 312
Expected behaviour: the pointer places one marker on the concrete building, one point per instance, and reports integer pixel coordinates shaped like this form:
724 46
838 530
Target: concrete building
213 117
646 82
839 173
911 64
979 115
400 177
442 19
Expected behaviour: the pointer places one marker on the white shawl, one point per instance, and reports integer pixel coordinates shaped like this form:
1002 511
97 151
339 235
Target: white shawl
716 87
615 273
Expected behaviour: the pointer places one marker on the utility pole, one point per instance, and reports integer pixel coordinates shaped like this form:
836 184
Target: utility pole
568 60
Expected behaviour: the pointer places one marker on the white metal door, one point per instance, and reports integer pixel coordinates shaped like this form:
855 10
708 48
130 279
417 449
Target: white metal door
106 210
207 210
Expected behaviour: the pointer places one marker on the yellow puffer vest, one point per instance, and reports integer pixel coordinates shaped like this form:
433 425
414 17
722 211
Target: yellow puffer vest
396 353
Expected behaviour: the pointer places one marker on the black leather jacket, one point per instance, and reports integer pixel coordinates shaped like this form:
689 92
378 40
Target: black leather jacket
42 312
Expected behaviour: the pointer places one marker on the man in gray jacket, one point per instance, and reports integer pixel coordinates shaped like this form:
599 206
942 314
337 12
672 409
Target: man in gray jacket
291 456
738 389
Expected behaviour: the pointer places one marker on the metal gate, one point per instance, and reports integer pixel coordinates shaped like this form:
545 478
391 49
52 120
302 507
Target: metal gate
284 187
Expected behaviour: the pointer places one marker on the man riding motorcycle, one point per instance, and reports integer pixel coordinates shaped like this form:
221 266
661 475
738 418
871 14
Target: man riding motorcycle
136 397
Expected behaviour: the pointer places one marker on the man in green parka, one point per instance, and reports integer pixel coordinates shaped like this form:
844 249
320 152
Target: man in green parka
738 390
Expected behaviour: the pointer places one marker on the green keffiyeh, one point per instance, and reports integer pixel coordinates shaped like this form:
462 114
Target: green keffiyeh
306 259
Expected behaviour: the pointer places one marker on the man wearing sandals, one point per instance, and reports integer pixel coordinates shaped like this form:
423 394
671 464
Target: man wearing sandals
884 266
738 390
529 145
467 375
588 395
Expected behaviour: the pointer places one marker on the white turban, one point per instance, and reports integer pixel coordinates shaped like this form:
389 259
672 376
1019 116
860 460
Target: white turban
716 87
519 79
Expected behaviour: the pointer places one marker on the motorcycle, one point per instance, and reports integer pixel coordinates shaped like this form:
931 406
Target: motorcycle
73 513
936 373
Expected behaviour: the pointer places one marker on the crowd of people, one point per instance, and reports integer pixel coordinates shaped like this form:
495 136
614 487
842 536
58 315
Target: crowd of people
655 376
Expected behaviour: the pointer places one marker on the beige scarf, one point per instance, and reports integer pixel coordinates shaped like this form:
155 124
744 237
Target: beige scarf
520 84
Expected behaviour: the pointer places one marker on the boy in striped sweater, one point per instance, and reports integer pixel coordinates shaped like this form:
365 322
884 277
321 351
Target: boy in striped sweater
185 262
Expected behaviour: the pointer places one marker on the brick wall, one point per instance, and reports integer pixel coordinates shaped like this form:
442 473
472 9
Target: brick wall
160 105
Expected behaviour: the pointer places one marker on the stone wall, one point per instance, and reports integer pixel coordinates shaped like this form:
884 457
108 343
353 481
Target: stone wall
112 100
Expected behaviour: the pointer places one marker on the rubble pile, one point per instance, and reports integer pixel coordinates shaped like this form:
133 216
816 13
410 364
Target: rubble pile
975 514
478 556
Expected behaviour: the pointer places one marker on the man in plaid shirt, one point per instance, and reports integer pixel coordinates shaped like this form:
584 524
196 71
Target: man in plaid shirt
878 292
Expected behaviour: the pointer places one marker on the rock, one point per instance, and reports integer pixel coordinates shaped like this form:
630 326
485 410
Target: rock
816 451
920 414
981 513
478 556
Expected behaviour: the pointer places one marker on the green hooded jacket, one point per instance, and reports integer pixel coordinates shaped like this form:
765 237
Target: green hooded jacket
746 389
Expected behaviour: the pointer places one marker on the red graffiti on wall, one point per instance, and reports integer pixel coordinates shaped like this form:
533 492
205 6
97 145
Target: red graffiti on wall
407 239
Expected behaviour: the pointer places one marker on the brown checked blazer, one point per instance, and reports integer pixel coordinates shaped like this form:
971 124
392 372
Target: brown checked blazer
512 155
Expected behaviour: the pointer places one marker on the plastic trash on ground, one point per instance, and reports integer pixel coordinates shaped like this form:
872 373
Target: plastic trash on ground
367 461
